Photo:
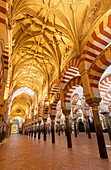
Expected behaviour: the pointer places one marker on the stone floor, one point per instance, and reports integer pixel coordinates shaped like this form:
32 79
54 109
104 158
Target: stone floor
25 153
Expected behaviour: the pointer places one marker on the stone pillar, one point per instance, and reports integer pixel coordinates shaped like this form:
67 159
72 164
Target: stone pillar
3 130
9 129
0 128
23 129
75 130
88 127
6 130
68 134
109 120
58 128
39 130
106 114
52 123
28 131
108 127
52 128
32 130
99 132
45 129
35 130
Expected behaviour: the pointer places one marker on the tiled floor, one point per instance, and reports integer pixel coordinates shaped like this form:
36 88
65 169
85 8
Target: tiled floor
26 153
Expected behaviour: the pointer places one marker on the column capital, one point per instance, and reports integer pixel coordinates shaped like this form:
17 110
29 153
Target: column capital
66 112
93 102
105 113
44 119
52 117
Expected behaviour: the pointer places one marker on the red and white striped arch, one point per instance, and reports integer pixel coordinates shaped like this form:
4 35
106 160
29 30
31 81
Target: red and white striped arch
107 99
5 55
45 112
4 64
69 72
97 42
4 20
54 101
54 88
6 96
109 107
40 110
74 100
69 89
53 108
105 83
97 69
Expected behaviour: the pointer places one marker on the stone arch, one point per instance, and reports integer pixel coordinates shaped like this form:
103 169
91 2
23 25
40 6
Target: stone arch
69 71
70 87
107 98
98 40
11 120
40 110
97 69
54 102
105 83
45 113
74 99
54 88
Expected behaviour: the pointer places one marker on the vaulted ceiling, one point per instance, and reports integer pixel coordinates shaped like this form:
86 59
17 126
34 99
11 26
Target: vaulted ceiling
46 34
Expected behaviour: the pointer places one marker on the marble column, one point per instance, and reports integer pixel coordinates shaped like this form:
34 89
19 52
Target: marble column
52 128
28 131
88 127
68 134
108 127
45 129
39 130
106 114
58 128
99 132
35 130
23 129
75 129
6 130
109 120
9 129
0 128
32 130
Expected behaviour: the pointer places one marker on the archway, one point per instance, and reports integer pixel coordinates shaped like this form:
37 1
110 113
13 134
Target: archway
17 125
